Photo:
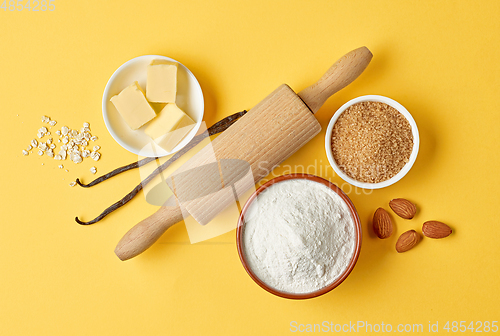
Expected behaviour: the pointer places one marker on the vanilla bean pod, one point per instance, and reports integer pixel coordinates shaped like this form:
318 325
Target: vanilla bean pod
115 172
216 128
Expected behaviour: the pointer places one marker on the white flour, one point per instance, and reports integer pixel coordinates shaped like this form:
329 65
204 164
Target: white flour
299 236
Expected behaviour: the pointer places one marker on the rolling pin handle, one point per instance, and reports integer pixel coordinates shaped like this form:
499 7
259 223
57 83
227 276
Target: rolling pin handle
140 237
340 74
344 71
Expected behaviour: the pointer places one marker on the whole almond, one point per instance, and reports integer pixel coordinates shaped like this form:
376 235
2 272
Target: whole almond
382 224
407 241
435 229
403 208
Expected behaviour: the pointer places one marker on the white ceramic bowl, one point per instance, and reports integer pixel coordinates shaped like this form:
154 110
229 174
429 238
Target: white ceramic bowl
189 99
406 167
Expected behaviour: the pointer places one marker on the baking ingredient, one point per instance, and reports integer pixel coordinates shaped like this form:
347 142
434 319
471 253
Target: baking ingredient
132 105
371 141
161 84
74 142
436 230
298 236
403 208
218 127
169 127
382 224
407 241
95 156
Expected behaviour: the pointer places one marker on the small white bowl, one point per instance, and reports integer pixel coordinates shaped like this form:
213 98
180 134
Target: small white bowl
189 99
406 167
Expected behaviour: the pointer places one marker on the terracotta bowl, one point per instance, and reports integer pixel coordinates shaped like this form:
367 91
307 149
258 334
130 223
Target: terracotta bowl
357 229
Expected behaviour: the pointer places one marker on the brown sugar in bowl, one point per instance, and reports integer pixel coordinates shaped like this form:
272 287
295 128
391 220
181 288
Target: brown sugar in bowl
338 280
381 156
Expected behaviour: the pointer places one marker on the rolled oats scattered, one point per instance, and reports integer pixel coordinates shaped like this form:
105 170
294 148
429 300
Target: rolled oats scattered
95 156
61 166
72 184
76 158
73 143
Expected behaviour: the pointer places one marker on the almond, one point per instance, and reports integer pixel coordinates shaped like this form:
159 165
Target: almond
403 208
407 241
435 229
382 224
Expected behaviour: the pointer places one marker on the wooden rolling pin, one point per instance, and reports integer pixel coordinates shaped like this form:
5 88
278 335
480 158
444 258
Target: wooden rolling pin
267 135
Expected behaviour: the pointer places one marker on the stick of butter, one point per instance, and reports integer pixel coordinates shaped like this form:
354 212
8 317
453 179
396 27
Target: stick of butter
132 105
170 127
161 85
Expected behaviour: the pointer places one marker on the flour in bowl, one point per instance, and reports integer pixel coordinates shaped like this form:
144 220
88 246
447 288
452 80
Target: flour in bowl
299 236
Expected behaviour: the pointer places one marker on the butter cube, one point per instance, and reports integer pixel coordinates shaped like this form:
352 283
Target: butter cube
170 127
161 85
132 105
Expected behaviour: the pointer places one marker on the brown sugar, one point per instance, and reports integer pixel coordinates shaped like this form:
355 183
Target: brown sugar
371 141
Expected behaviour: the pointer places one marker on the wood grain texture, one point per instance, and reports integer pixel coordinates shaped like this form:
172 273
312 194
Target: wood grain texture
148 231
340 74
267 135
263 138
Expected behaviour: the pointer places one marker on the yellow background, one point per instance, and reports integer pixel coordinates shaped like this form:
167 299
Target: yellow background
438 58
